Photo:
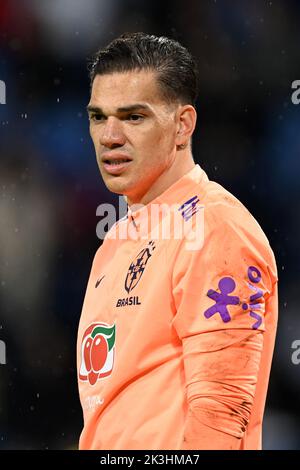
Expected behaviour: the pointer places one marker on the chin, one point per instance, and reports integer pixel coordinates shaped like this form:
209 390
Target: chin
116 187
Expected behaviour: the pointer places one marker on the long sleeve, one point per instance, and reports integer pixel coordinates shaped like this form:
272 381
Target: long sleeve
221 383
220 293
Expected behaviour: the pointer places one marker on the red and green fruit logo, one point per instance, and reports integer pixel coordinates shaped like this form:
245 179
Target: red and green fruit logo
97 352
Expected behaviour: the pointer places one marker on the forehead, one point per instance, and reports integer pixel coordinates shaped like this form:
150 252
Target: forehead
122 88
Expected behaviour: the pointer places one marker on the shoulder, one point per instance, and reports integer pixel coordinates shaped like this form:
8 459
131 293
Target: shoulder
111 240
227 226
225 213
113 232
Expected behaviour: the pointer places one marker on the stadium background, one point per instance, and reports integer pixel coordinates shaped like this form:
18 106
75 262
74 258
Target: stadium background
247 139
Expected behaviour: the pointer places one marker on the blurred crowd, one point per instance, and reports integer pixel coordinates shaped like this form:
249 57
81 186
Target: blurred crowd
247 139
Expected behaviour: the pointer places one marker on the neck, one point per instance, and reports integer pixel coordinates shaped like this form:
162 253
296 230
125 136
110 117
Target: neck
179 167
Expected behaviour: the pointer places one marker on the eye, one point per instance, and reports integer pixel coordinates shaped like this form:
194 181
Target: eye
136 117
96 117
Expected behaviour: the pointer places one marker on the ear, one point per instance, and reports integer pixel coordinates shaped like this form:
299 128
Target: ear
186 123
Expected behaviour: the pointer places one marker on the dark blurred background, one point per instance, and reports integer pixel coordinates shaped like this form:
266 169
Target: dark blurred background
247 139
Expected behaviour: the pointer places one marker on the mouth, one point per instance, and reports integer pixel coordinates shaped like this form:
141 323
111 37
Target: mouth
116 165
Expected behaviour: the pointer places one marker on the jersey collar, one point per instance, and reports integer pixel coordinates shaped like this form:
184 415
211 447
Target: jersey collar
172 196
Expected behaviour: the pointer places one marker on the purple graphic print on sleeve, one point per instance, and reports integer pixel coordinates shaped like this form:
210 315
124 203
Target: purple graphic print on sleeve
226 285
222 299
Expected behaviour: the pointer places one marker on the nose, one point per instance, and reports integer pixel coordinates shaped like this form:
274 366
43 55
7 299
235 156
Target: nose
112 134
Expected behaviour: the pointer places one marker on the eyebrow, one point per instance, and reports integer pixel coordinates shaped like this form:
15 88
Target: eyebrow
124 109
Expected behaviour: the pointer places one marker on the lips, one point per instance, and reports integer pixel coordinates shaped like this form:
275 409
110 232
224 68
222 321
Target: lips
115 164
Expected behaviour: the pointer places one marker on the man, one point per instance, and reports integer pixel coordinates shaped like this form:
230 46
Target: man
176 338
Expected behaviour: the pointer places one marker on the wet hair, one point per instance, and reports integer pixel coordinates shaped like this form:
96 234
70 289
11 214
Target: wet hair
175 68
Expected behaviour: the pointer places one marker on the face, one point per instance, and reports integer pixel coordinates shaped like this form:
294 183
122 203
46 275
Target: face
133 130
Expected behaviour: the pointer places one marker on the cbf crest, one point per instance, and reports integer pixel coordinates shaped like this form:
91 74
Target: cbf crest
137 267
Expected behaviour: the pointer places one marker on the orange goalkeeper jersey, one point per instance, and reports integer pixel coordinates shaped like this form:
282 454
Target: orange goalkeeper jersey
176 337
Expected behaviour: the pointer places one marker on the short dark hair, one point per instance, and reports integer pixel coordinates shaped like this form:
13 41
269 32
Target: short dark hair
176 69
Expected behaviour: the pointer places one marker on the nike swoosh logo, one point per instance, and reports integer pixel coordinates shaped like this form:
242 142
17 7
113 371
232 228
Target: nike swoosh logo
98 282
